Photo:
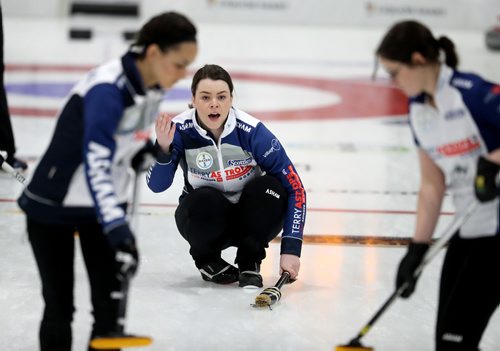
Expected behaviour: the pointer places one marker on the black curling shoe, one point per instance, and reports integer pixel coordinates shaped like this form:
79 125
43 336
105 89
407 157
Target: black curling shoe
219 272
249 276
250 279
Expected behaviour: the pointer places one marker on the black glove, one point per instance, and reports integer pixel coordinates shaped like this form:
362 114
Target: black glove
126 255
408 265
486 184
138 162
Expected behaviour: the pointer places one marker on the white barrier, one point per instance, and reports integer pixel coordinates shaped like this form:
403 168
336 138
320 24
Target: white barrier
451 14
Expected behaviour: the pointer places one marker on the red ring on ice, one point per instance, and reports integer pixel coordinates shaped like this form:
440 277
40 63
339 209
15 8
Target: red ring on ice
359 98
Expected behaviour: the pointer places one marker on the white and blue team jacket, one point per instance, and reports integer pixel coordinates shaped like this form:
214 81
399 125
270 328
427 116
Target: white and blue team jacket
465 125
85 173
246 148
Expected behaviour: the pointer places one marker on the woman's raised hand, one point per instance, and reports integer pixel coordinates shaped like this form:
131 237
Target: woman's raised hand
165 131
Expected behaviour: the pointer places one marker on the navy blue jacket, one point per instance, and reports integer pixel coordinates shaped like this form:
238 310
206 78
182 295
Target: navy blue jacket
85 173
246 149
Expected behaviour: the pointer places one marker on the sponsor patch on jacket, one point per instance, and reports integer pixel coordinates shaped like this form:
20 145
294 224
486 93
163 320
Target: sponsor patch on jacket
244 162
204 160
455 114
459 147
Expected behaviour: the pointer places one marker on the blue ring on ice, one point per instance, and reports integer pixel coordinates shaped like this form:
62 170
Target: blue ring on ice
60 90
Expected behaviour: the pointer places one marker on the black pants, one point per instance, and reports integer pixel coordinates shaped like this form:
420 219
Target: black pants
210 223
53 247
6 133
469 292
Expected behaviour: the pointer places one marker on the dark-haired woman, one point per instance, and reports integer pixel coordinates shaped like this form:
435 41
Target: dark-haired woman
81 182
241 189
455 120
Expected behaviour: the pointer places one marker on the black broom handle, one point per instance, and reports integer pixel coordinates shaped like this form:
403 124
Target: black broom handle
283 280
8 168
431 253
124 286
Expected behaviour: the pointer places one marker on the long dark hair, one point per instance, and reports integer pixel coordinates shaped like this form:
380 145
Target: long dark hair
212 72
406 37
166 30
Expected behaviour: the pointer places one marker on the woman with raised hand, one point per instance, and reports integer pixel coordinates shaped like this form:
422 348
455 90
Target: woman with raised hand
241 189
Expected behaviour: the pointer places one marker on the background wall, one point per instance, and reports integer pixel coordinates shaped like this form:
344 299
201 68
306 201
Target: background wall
34 8
453 14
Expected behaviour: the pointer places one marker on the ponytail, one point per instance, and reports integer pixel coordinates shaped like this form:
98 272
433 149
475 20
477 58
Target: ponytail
451 57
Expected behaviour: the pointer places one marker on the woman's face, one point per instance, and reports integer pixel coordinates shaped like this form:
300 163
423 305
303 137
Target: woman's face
212 101
171 66
408 78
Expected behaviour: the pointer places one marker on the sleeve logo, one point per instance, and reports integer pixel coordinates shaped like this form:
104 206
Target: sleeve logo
275 146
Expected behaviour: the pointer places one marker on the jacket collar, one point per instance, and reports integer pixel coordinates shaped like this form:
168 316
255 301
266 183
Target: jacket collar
132 73
229 125
445 74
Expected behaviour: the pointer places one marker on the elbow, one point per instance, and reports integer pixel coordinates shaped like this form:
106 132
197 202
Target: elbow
156 188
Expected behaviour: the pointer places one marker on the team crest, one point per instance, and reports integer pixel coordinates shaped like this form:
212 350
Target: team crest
204 160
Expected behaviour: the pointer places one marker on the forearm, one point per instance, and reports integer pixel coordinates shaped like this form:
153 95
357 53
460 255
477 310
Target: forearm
160 176
98 171
494 156
293 229
430 199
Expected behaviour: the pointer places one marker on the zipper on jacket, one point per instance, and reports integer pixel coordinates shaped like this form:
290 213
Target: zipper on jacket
221 163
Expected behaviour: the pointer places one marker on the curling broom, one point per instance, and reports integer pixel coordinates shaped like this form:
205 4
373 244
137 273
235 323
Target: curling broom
119 339
270 296
8 168
355 343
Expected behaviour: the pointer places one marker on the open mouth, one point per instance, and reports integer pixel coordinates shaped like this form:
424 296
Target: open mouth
214 116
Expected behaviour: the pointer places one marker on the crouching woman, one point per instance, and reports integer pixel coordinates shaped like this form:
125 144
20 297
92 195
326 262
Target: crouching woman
240 187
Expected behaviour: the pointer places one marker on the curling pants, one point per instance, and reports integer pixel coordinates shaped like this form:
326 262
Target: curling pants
469 292
211 223
54 250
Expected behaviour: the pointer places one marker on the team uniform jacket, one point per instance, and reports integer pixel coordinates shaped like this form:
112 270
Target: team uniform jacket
465 125
84 175
245 149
